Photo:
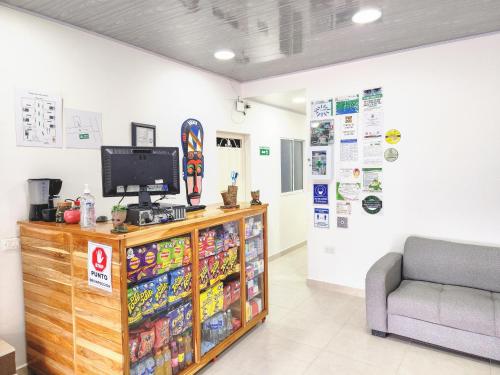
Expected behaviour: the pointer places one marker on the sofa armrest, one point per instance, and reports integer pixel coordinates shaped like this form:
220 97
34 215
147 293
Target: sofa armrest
381 280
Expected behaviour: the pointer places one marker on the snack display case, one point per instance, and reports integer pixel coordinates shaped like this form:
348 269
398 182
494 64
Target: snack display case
176 295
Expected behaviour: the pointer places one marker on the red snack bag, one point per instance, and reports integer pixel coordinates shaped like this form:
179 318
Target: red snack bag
227 296
133 345
223 262
146 342
162 333
235 291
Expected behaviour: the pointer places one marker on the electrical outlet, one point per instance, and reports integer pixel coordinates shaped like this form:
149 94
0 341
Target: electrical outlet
330 250
10 244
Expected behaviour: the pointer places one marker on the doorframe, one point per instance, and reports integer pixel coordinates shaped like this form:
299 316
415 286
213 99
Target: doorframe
247 166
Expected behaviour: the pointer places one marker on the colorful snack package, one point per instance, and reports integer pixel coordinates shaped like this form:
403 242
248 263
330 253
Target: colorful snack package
204 274
150 364
134 305
205 304
177 253
162 333
211 242
213 269
148 256
133 346
140 368
146 342
133 264
227 296
202 246
218 297
163 259
176 319
235 291
219 242
188 279
223 265
175 284
147 296
161 293
188 315
232 261
187 251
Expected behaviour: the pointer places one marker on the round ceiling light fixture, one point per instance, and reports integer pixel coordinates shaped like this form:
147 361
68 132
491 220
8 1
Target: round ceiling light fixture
299 100
224 54
367 15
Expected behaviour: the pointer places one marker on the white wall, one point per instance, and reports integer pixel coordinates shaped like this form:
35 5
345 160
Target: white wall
125 84
444 99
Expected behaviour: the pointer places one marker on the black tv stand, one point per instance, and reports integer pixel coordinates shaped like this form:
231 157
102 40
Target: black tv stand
195 208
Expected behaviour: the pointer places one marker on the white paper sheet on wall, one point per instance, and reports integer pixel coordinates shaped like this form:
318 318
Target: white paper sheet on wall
38 119
83 129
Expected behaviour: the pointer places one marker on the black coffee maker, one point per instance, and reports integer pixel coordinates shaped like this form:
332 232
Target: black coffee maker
42 192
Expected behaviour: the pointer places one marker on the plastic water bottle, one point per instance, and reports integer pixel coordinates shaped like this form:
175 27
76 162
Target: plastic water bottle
87 209
229 322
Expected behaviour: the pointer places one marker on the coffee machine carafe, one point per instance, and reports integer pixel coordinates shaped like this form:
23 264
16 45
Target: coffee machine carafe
42 192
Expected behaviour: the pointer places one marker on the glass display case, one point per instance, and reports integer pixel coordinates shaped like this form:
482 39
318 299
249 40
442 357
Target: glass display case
160 306
254 266
219 283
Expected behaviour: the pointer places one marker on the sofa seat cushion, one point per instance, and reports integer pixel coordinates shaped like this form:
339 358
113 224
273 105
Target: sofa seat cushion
458 307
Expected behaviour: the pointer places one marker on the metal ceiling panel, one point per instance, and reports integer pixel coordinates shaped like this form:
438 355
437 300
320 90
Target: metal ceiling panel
271 37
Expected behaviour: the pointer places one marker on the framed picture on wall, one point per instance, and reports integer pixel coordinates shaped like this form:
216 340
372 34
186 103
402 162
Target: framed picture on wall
143 135
321 163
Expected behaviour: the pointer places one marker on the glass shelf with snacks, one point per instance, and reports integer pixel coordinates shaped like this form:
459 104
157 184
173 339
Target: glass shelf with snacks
219 282
254 266
160 308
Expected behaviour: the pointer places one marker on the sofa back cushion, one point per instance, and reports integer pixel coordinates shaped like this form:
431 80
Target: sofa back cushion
452 263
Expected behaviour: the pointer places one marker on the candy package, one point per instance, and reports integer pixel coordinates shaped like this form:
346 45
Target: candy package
133 346
162 333
187 282
146 342
163 257
161 292
175 284
133 264
187 252
148 261
134 305
147 296
204 274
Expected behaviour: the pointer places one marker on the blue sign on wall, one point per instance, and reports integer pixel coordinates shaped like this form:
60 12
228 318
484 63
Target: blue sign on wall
320 192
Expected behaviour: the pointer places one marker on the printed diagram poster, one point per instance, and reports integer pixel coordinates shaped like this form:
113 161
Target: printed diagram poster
82 129
322 218
372 112
322 133
373 151
348 191
344 208
347 105
99 259
349 150
321 109
38 119
372 180
320 192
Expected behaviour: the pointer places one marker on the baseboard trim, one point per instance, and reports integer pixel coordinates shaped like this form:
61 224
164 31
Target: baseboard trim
287 251
22 370
336 288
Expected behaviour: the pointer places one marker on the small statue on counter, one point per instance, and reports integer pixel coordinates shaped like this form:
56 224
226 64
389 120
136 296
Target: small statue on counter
255 198
118 217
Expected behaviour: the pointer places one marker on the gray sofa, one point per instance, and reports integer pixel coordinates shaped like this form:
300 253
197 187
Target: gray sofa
440 292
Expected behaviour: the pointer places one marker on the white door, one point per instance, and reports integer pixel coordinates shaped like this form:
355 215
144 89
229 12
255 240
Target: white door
230 159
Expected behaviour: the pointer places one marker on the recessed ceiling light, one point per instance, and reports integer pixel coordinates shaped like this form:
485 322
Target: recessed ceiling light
366 15
224 54
299 99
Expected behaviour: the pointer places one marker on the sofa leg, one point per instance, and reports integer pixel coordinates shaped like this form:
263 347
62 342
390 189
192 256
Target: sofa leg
379 333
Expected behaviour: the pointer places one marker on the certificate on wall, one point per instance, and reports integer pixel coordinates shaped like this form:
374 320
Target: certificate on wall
321 163
143 135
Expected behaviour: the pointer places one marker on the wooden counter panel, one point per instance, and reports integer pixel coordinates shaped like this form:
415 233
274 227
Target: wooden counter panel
50 350
101 357
44 365
47 235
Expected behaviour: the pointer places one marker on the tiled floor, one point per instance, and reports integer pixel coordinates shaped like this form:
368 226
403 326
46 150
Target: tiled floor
316 332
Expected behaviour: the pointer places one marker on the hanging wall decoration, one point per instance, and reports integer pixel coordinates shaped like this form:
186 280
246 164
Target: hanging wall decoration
192 163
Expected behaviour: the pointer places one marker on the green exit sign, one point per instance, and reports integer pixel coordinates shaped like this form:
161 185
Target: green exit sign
264 151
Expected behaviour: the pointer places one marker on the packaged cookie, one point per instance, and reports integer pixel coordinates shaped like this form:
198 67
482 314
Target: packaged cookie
161 293
175 284
188 277
162 333
134 305
147 292
133 264
148 260
213 269
146 342
163 257
203 272
187 251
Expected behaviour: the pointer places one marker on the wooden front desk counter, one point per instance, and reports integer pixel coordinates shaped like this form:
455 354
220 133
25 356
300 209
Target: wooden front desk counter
72 328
